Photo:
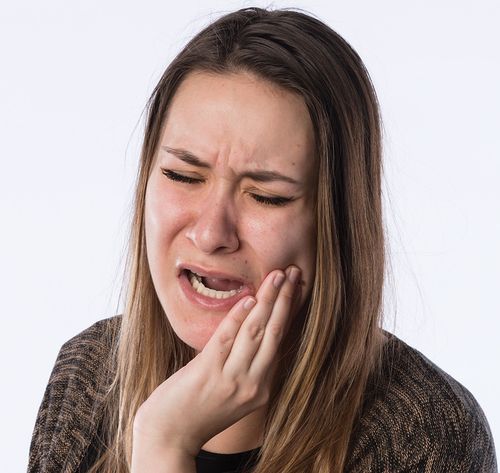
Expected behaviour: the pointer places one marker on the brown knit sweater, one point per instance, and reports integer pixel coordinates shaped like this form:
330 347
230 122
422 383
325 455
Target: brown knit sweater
419 419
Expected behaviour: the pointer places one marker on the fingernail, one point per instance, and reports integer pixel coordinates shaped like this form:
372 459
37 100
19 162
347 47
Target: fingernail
249 303
278 280
293 275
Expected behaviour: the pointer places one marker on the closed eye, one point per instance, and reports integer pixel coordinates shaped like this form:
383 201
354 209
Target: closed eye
173 176
276 201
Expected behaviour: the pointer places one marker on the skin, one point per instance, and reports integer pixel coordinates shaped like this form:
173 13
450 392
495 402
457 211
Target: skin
228 380
234 123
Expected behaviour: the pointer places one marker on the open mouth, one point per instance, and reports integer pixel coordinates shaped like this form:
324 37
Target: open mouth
215 288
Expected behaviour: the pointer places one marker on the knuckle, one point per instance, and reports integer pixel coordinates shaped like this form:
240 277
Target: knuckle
255 395
229 388
264 397
225 339
255 331
249 393
275 330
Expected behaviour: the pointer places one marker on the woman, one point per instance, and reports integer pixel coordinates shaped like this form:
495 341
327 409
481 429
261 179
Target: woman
251 337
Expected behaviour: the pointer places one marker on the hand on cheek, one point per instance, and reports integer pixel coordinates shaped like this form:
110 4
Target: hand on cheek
229 379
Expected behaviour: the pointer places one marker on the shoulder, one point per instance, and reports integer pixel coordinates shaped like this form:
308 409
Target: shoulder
82 356
419 418
84 346
71 407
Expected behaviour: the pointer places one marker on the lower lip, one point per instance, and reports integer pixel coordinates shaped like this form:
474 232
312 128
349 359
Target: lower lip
222 305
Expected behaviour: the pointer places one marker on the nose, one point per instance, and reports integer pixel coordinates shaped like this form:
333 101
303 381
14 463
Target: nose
214 227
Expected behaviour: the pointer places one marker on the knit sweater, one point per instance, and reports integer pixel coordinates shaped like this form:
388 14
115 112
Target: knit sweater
418 419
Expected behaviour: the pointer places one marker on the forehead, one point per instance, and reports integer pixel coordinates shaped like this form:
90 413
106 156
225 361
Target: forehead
242 118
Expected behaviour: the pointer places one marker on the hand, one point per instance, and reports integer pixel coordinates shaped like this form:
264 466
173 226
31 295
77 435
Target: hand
228 379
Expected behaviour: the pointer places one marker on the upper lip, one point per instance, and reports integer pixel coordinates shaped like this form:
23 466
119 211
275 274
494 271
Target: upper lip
210 273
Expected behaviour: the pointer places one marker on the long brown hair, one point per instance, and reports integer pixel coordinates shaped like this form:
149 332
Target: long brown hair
314 412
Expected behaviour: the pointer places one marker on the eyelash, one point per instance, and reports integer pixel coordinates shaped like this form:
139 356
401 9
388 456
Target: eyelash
276 201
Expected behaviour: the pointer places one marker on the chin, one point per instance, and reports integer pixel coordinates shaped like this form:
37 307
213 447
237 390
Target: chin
197 335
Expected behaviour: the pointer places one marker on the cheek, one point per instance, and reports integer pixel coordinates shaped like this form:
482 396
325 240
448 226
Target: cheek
288 239
165 212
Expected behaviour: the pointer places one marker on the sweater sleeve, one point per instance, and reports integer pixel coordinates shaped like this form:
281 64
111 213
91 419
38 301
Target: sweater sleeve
420 419
477 445
468 448
47 419
71 406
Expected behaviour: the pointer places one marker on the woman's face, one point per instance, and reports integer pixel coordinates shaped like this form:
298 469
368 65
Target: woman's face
230 198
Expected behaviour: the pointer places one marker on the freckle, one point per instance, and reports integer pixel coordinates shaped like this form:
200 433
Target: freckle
246 261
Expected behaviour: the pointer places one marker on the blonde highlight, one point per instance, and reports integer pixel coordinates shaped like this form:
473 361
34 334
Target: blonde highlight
336 351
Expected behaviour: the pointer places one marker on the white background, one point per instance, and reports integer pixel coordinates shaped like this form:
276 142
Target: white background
74 79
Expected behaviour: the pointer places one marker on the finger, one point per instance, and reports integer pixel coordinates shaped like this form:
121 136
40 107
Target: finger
253 328
220 344
276 326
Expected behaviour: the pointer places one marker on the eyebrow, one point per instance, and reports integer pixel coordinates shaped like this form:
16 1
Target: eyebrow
259 176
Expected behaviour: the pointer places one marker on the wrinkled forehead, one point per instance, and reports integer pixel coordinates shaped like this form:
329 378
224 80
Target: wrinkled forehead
242 119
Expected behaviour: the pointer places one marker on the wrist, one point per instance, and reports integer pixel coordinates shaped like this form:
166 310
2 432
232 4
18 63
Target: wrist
148 458
146 434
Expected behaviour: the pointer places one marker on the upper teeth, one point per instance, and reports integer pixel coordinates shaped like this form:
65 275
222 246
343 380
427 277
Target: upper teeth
200 288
